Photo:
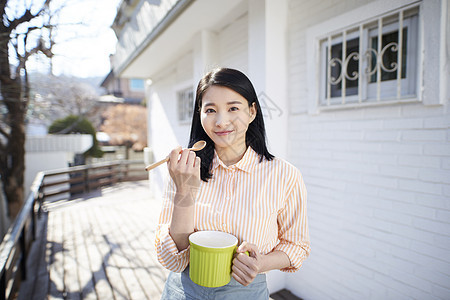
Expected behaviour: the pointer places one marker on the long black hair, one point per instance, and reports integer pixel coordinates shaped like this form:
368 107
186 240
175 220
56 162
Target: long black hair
256 132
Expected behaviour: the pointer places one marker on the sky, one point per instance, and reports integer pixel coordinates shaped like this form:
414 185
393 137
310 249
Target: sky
84 38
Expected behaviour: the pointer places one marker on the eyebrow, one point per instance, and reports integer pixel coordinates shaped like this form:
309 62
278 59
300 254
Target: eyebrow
228 103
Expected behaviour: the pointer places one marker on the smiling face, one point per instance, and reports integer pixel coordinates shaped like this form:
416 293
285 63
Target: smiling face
225 116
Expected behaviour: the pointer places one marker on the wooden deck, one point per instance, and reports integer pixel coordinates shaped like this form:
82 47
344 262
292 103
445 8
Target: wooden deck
99 246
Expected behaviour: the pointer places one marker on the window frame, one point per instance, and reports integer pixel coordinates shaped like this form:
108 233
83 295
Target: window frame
323 69
184 117
367 91
408 84
361 16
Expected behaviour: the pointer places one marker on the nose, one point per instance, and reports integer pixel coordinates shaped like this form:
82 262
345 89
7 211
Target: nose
222 120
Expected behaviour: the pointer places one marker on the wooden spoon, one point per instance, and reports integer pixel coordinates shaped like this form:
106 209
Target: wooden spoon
196 147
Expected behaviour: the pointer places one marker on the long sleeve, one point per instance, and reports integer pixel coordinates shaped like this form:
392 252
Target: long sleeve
263 203
166 249
293 225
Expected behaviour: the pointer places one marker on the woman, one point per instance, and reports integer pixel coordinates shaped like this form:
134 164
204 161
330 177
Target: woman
233 185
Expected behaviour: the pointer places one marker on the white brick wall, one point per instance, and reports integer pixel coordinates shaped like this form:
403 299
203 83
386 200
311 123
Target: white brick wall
379 212
378 184
233 44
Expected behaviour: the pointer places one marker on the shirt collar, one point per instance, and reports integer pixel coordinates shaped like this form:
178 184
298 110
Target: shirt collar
247 162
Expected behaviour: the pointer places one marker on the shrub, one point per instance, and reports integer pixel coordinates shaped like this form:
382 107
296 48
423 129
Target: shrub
77 124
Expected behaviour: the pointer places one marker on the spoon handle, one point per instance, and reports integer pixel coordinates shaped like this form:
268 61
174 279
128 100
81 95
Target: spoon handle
152 166
195 148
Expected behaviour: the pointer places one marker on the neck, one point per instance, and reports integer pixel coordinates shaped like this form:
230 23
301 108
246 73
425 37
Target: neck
231 156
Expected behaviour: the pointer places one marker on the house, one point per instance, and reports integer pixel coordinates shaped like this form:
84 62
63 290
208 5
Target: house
354 93
130 94
122 90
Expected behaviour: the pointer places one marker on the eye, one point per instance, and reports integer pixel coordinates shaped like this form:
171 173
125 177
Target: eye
234 108
209 111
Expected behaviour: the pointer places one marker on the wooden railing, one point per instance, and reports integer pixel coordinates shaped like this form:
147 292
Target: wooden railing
66 182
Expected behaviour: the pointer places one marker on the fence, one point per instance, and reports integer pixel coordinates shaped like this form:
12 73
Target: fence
69 181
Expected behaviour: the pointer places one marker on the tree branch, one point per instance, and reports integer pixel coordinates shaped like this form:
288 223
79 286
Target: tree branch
27 16
30 29
40 47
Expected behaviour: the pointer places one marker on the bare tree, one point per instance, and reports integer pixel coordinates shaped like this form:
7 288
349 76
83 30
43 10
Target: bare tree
56 97
25 30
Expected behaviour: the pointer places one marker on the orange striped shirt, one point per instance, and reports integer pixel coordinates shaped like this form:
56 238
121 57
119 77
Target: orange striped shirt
261 203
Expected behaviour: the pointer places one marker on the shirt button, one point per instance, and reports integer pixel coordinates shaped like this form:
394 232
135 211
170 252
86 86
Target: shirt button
227 198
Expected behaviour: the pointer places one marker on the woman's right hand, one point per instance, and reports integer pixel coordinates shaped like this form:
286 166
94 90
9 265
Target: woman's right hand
184 168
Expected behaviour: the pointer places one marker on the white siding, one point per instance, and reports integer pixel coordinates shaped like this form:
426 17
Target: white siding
378 184
76 143
49 152
233 44
145 18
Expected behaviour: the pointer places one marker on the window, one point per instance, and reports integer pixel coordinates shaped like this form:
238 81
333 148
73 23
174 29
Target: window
137 85
373 61
185 103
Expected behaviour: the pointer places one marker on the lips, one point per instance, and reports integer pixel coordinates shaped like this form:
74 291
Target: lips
223 133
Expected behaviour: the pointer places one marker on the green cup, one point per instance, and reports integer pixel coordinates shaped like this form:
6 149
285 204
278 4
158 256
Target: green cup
211 254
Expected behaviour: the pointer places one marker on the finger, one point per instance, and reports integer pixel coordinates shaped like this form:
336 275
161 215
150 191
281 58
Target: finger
198 162
238 264
243 247
245 258
246 265
240 279
191 159
183 160
173 156
247 247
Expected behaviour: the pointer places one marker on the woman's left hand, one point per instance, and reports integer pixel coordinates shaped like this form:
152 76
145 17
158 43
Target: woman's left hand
246 267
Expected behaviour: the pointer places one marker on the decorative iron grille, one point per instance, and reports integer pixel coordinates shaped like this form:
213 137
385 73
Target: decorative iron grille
185 99
371 62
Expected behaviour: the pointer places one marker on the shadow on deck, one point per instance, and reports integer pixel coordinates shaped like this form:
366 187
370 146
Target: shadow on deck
97 249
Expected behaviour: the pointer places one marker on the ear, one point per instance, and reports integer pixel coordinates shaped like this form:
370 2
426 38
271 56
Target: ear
253 112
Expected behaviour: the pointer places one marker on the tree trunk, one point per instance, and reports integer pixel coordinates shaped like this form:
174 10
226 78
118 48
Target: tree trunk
14 189
12 156
14 98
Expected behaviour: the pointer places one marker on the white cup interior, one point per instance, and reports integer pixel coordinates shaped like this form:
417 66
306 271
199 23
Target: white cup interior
213 239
